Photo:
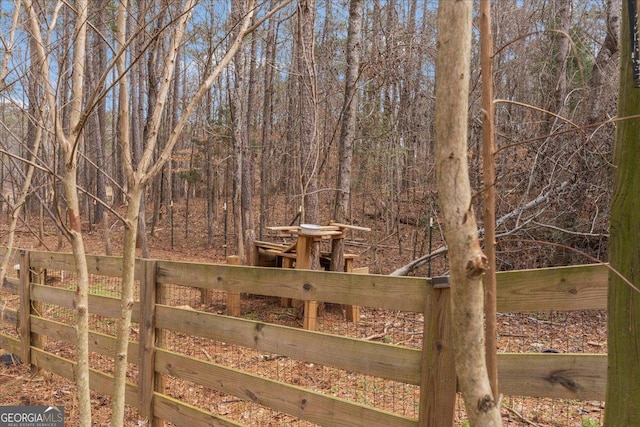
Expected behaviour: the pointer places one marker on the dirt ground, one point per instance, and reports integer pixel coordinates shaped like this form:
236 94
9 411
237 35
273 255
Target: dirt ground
380 250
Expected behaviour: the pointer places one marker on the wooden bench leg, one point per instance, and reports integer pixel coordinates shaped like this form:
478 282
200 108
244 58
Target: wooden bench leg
286 263
352 312
310 315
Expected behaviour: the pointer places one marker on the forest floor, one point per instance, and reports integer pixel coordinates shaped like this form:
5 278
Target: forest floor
379 250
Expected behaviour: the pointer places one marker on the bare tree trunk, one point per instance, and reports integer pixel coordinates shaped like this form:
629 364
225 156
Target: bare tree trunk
558 83
124 122
248 177
267 126
134 194
107 233
34 139
602 65
292 168
209 153
489 194
81 295
348 130
116 152
69 144
98 65
8 44
241 171
210 193
140 173
308 120
467 261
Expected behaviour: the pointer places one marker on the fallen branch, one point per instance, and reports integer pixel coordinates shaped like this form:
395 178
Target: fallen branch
532 204
573 233
408 268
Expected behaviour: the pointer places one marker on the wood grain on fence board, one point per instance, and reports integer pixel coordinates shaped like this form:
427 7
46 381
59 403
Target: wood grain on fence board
562 376
581 287
97 264
11 285
572 376
98 342
10 344
370 358
183 414
558 288
98 304
9 316
297 401
100 381
392 293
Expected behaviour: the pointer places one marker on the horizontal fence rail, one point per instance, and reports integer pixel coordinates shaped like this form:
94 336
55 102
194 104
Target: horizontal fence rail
567 376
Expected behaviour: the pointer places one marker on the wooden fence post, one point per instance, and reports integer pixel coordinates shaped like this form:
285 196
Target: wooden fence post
438 377
161 342
147 341
37 308
28 307
24 316
233 298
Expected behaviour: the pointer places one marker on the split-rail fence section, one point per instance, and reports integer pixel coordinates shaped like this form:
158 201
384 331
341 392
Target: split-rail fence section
570 376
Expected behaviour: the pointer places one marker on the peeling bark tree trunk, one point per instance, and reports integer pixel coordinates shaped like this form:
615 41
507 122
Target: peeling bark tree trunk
468 263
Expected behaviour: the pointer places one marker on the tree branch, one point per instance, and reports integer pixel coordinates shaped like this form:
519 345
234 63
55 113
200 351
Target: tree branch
408 268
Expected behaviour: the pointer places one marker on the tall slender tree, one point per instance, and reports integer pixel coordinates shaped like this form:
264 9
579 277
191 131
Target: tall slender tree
34 133
603 64
69 142
489 193
348 129
308 117
243 168
468 263
97 66
267 123
139 174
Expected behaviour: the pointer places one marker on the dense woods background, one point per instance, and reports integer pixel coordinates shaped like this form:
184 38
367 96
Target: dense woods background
270 127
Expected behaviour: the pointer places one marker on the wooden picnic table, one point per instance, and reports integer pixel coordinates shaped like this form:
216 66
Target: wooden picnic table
298 255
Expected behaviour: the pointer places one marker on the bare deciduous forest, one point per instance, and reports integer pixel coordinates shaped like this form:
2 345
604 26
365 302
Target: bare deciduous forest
197 125
555 78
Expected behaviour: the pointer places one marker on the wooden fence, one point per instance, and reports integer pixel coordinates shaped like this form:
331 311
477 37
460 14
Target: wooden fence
571 376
